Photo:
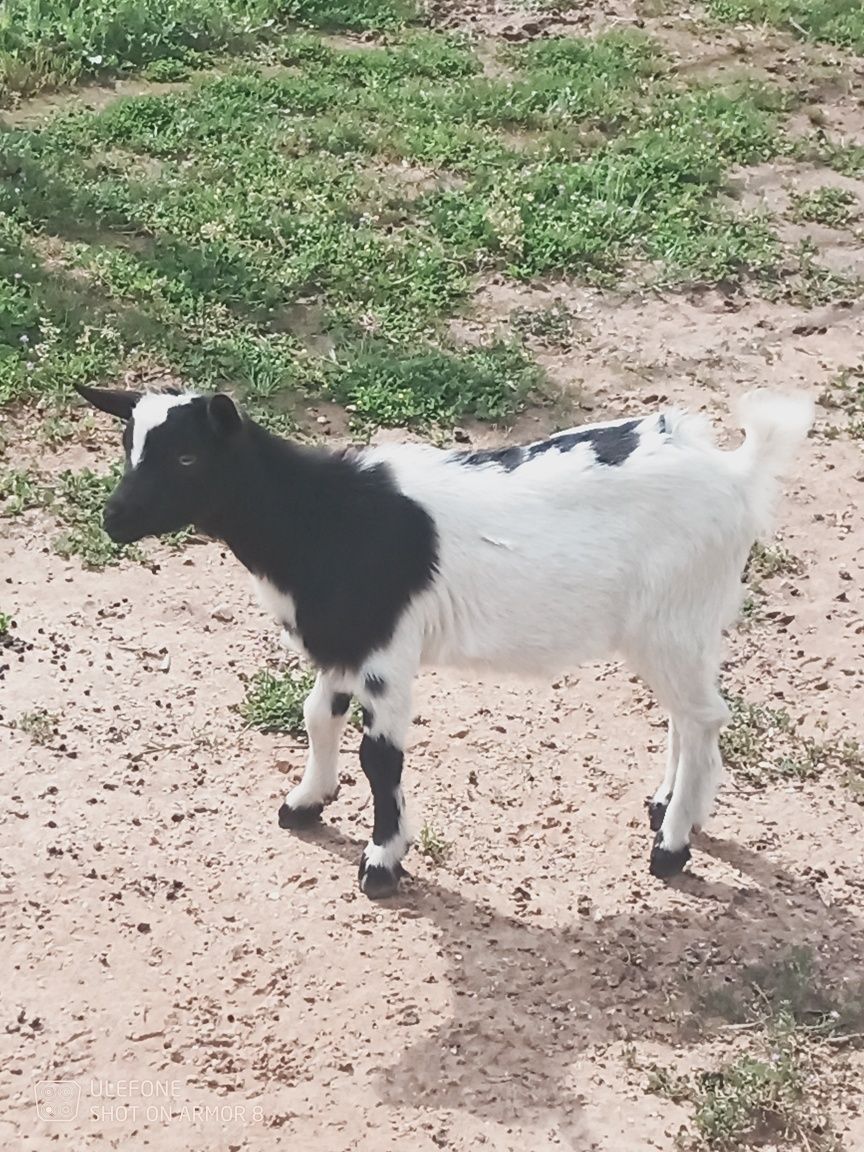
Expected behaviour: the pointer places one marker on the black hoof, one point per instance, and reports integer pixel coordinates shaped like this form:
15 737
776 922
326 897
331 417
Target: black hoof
665 863
377 882
656 812
299 817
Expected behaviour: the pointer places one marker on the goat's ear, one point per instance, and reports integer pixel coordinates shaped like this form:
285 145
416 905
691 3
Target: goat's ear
118 404
223 414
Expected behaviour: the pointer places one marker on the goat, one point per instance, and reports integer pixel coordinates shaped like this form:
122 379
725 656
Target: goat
624 538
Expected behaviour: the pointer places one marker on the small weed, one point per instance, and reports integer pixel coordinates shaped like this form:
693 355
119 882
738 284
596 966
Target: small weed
769 560
275 703
771 1096
39 725
835 207
752 609
761 744
7 623
433 844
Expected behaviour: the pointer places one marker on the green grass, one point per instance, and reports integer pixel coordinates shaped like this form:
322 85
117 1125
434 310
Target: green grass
787 1026
275 703
51 43
186 232
762 745
7 623
835 207
839 22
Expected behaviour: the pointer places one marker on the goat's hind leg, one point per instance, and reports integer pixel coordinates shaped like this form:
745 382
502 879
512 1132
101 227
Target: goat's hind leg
659 802
698 713
325 712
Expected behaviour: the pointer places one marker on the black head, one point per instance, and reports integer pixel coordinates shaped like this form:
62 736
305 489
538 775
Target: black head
177 451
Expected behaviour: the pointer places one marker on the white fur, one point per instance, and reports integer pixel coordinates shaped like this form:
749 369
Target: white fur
151 411
563 560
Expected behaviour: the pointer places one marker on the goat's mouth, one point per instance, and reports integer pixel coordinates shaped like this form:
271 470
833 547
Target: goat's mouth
120 530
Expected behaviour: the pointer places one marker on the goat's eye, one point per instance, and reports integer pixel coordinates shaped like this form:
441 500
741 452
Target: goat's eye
186 460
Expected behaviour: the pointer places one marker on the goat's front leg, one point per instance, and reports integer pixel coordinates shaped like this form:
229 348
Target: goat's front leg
386 719
325 712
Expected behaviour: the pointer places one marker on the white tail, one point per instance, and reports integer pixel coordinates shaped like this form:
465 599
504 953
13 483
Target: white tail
775 426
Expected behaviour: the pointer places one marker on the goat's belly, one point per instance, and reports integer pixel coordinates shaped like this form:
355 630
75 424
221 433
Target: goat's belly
519 643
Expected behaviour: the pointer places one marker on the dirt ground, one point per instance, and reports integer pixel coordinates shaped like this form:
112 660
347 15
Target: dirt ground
158 927
198 978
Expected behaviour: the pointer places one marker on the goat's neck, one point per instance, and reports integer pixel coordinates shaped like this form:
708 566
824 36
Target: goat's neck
263 510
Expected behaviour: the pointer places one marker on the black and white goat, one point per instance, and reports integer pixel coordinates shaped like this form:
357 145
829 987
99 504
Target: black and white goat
627 538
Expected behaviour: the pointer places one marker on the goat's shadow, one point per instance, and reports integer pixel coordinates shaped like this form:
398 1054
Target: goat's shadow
528 1000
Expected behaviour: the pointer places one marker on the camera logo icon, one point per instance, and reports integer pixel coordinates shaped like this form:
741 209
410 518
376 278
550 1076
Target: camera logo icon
57 1100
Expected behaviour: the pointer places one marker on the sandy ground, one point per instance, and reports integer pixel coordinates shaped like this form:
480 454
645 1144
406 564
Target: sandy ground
199 979
158 927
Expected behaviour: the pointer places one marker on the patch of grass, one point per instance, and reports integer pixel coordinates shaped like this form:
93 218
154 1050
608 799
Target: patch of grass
385 387
839 22
49 43
275 703
761 744
7 623
774 1095
39 725
184 232
835 207
79 501
433 845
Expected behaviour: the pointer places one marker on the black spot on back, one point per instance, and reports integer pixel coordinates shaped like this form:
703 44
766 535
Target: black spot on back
612 443
507 458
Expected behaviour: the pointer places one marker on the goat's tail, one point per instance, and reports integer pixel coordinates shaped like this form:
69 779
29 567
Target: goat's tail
775 426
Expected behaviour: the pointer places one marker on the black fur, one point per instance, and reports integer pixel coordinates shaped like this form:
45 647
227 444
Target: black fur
656 814
612 444
375 685
507 458
368 717
340 703
381 762
341 539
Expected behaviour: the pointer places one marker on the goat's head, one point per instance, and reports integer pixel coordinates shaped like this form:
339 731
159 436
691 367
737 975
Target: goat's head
176 454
